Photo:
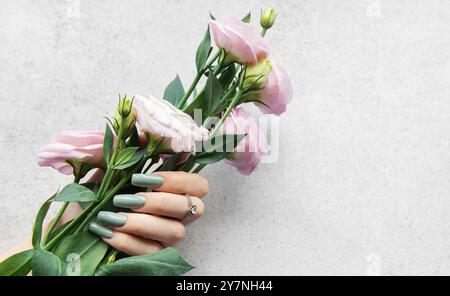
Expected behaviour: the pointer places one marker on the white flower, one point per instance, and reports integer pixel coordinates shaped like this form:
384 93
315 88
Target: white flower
159 117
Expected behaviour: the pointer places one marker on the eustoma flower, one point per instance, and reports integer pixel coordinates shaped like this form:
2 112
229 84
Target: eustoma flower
249 151
274 89
276 92
160 118
84 146
240 40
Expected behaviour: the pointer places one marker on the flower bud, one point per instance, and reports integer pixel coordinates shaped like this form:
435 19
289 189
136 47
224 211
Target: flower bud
256 74
125 115
268 18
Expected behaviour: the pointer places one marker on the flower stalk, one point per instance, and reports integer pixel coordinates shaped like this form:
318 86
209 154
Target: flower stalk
197 79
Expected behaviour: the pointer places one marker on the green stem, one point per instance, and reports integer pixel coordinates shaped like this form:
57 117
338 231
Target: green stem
102 203
224 97
263 32
109 171
69 227
103 184
55 222
199 168
196 80
230 107
187 165
59 214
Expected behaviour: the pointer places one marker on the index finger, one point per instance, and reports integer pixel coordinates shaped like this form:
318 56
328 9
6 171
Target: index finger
174 182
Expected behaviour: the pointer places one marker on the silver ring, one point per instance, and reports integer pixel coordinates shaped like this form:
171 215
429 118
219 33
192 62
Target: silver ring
192 209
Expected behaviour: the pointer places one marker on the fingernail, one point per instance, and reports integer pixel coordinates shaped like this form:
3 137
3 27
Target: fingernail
143 180
128 201
111 219
100 230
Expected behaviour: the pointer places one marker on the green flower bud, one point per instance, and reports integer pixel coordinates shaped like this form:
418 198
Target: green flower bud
125 115
256 75
268 18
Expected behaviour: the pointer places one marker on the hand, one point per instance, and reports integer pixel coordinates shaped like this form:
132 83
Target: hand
159 217
155 224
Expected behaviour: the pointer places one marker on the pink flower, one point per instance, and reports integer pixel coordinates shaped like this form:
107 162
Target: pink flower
84 146
159 117
249 151
276 92
239 39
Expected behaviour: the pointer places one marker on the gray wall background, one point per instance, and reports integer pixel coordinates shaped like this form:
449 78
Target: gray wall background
362 182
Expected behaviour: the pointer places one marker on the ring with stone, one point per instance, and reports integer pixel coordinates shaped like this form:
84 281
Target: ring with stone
192 209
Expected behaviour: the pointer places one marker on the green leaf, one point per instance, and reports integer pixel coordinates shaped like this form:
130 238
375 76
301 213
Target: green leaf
187 165
210 158
82 252
203 51
135 159
212 16
94 186
50 236
45 263
37 227
17 265
128 157
259 102
133 141
108 142
125 155
227 77
75 192
213 93
217 148
197 103
165 262
171 163
174 91
247 18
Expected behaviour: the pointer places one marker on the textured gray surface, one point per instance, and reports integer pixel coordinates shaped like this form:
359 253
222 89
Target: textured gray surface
362 182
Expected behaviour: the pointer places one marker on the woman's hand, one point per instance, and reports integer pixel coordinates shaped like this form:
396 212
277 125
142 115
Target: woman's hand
158 217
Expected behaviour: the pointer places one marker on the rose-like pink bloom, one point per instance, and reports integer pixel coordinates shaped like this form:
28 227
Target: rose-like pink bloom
241 40
78 145
276 92
159 117
249 151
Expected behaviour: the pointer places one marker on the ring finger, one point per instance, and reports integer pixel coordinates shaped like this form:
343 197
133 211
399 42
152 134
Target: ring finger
163 204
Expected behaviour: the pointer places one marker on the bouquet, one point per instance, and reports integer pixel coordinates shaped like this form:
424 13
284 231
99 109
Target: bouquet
185 131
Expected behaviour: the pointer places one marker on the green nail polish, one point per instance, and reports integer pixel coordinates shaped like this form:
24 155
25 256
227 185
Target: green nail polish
143 180
100 230
111 219
128 201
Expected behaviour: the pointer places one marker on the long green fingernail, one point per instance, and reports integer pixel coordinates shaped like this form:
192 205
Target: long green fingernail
100 230
143 180
111 219
128 201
